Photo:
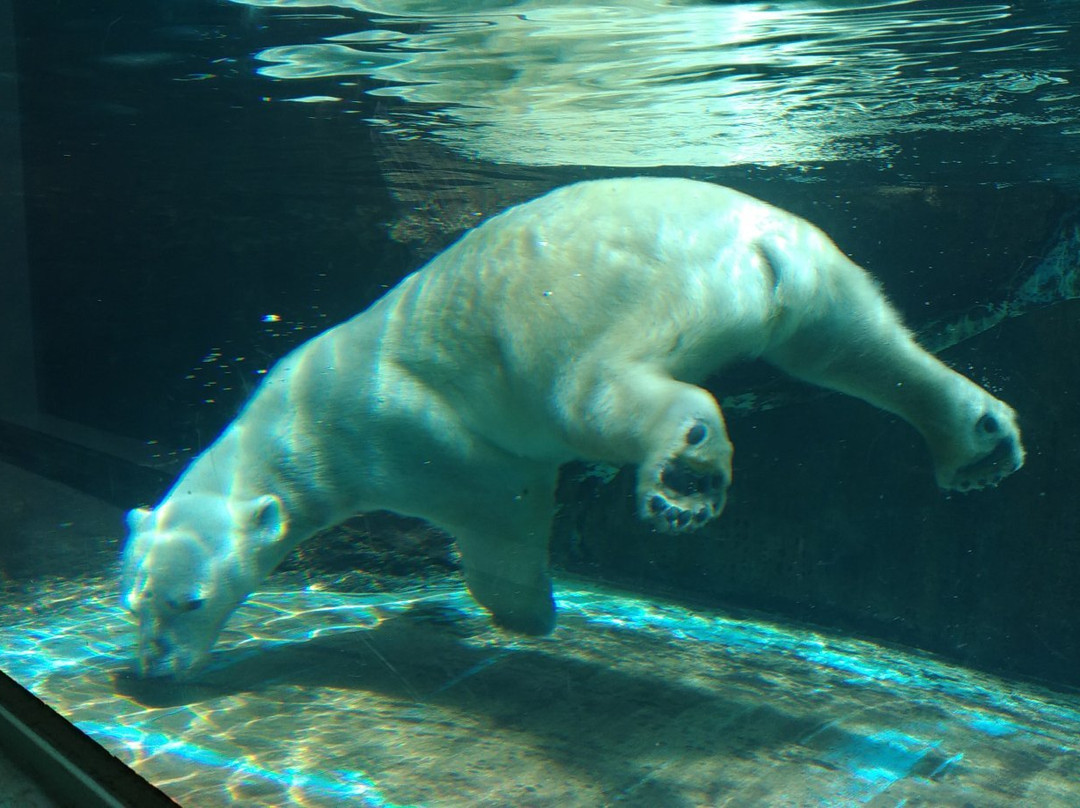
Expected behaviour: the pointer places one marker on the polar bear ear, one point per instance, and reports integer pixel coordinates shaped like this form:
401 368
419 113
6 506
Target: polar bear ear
264 518
138 520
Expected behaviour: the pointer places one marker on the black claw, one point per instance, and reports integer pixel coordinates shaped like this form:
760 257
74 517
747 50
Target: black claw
701 515
657 503
682 518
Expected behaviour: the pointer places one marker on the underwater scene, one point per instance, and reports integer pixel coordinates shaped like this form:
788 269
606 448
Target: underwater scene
546 402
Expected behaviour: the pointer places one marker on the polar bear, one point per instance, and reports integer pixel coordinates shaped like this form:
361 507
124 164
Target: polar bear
577 325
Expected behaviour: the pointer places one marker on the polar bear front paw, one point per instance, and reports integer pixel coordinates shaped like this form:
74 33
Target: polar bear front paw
688 487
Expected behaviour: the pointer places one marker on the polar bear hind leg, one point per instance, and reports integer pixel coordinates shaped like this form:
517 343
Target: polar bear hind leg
861 348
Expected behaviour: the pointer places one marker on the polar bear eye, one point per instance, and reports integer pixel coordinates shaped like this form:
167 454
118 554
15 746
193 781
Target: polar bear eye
988 424
185 605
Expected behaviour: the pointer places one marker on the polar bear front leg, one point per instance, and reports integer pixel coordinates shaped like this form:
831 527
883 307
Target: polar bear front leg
682 482
507 574
503 537
674 432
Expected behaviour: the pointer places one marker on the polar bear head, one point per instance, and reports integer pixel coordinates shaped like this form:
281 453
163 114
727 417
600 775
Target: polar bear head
187 565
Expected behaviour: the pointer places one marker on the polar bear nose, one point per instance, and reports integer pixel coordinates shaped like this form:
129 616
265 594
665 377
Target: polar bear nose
155 650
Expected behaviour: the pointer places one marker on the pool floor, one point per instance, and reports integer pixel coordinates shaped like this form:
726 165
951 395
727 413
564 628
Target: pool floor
316 698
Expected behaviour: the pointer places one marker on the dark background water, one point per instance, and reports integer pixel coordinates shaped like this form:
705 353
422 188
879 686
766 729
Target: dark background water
174 201
186 225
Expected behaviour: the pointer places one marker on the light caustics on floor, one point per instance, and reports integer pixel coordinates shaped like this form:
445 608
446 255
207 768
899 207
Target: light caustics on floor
316 698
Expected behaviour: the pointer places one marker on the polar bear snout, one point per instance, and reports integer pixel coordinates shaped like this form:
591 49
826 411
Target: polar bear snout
173 638
160 657
173 586
174 635
157 657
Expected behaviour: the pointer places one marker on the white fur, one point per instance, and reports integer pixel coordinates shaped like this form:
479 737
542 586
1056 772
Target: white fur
574 326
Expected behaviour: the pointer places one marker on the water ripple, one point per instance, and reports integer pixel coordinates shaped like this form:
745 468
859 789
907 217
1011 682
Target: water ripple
651 82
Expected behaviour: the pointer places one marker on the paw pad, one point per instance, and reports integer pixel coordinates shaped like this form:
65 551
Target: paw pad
686 484
1002 460
696 434
686 498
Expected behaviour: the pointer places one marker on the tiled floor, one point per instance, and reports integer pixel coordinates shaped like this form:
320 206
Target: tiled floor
318 698
322 699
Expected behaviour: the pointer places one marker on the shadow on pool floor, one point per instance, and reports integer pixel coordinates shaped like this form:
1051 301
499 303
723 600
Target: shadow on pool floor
317 699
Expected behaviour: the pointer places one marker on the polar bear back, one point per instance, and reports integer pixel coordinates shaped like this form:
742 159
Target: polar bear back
594 276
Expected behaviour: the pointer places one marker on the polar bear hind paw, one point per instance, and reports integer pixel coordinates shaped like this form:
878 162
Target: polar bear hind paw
685 490
1003 459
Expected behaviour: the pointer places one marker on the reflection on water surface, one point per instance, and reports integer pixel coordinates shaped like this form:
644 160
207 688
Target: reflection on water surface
650 83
